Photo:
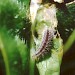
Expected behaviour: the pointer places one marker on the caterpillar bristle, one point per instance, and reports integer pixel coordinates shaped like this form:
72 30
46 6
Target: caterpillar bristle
46 44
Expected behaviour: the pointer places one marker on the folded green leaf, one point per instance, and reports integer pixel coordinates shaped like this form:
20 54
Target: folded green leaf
14 54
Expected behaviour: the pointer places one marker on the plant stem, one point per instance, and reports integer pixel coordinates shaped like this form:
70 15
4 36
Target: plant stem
32 62
69 42
5 58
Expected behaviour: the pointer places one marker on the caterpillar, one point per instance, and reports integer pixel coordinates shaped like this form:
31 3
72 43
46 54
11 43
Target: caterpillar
46 44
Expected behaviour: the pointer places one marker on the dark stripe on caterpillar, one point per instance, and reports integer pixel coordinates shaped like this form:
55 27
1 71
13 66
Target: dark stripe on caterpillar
46 44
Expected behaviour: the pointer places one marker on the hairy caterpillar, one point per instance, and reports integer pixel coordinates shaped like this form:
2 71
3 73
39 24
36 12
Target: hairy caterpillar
46 44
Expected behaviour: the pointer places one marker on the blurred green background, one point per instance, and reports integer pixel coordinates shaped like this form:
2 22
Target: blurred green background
14 22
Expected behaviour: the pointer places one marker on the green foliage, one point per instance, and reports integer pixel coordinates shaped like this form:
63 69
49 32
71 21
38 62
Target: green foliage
14 53
13 13
66 20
